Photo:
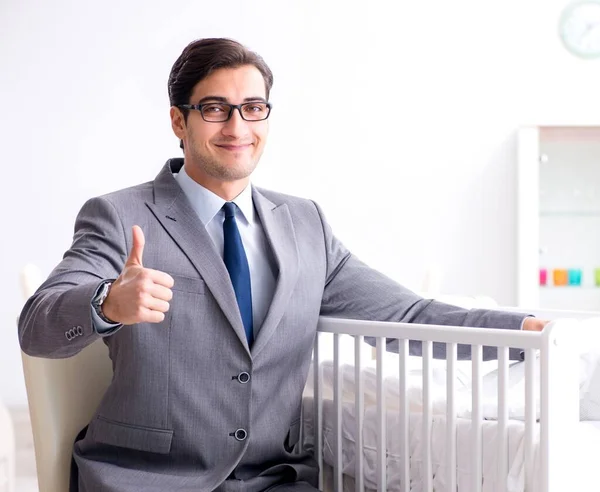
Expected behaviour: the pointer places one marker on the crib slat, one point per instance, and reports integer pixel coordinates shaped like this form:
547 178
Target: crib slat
427 411
404 442
359 415
530 417
381 436
337 405
318 410
476 420
451 350
502 438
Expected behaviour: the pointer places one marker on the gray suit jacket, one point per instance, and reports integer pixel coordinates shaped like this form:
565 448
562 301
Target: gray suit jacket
176 416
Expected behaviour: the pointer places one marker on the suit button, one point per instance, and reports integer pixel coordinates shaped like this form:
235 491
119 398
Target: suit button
241 435
243 377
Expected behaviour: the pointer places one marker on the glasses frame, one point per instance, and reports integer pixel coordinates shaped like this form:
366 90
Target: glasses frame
198 107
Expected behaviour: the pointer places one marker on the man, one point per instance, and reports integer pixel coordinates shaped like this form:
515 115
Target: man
207 292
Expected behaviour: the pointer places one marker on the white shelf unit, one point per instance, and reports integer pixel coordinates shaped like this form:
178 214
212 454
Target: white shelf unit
558 214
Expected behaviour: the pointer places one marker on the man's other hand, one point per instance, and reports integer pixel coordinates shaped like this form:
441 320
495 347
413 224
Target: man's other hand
534 324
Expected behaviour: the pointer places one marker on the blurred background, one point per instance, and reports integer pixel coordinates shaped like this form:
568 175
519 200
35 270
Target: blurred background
422 184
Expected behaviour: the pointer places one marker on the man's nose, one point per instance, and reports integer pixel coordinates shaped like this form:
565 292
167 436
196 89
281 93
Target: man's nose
236 125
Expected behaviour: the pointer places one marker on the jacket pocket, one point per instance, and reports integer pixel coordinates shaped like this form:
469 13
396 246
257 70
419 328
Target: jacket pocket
293 436
188 284
131 436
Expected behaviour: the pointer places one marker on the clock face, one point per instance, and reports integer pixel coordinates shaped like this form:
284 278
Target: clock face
579 28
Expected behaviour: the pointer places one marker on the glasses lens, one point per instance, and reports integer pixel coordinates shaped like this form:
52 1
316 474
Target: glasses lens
255 111
215 112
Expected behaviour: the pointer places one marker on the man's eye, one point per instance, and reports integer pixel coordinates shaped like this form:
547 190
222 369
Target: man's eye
255 108
214 108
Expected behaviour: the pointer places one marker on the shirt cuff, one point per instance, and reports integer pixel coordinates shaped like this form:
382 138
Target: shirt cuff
101 326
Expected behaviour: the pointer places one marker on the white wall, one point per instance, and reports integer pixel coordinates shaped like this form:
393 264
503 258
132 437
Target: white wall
85 111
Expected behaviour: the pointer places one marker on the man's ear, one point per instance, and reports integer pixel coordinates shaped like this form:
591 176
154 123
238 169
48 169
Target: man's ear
177 122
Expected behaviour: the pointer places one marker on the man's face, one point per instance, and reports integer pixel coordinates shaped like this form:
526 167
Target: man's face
230 150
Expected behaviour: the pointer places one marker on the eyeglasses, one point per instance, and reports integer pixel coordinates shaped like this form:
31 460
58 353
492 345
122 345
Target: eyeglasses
218 112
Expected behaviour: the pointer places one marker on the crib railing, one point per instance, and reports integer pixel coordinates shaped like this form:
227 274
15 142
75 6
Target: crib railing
558 393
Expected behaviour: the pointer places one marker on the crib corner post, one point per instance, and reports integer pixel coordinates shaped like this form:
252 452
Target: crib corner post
559 405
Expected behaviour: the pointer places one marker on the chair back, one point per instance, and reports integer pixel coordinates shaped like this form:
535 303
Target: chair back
63 395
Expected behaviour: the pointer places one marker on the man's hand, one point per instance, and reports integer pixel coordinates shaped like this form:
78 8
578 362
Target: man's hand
534 324
139 294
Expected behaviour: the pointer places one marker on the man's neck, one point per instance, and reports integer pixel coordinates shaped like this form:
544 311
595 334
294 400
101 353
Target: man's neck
227 190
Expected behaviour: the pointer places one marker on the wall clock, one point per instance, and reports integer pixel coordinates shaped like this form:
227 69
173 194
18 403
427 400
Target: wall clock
579 28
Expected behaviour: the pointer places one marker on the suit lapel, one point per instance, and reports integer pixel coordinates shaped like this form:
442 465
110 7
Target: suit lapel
173 210
279 230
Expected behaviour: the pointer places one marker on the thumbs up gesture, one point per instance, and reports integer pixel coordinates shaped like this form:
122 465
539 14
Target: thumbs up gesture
139 294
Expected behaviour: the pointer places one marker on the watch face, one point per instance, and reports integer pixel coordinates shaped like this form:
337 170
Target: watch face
579 28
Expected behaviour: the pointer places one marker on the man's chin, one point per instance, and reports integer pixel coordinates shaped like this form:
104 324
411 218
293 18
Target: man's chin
235 171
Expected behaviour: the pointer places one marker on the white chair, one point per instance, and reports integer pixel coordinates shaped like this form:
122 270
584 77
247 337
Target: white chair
63 395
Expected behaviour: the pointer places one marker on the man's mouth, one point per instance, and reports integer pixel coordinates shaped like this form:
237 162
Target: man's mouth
234 148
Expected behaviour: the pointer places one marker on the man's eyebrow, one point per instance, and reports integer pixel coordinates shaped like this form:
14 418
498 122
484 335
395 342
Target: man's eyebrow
224 99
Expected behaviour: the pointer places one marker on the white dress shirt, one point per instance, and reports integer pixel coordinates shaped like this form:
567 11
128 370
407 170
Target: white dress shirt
209 208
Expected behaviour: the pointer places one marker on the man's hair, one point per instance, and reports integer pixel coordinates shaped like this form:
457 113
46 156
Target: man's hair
202 57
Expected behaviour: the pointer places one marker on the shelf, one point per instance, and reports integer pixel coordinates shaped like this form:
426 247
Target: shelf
569 287
570 213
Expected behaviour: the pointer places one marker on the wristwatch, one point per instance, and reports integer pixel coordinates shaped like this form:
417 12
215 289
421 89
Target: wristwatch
99 298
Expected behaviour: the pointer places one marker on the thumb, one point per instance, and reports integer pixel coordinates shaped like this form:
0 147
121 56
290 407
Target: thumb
137 250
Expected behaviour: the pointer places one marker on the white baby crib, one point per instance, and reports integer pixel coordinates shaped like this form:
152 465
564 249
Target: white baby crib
365 439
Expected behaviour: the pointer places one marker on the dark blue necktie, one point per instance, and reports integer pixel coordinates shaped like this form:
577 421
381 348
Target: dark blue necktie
237 265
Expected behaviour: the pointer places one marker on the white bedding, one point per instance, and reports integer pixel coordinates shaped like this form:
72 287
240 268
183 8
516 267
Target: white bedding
415 384
587 447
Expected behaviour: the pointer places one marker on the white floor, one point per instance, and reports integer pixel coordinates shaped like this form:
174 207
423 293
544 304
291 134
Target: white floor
25 457
26 484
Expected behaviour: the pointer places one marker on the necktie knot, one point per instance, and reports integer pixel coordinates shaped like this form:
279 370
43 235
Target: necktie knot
229 208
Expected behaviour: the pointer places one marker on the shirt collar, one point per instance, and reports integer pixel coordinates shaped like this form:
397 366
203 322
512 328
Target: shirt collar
207 204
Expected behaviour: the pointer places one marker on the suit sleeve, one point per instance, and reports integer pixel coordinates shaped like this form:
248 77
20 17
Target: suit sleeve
355 291
56 322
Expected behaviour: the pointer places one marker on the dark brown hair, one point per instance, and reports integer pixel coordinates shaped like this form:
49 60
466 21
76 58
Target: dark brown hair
200 58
